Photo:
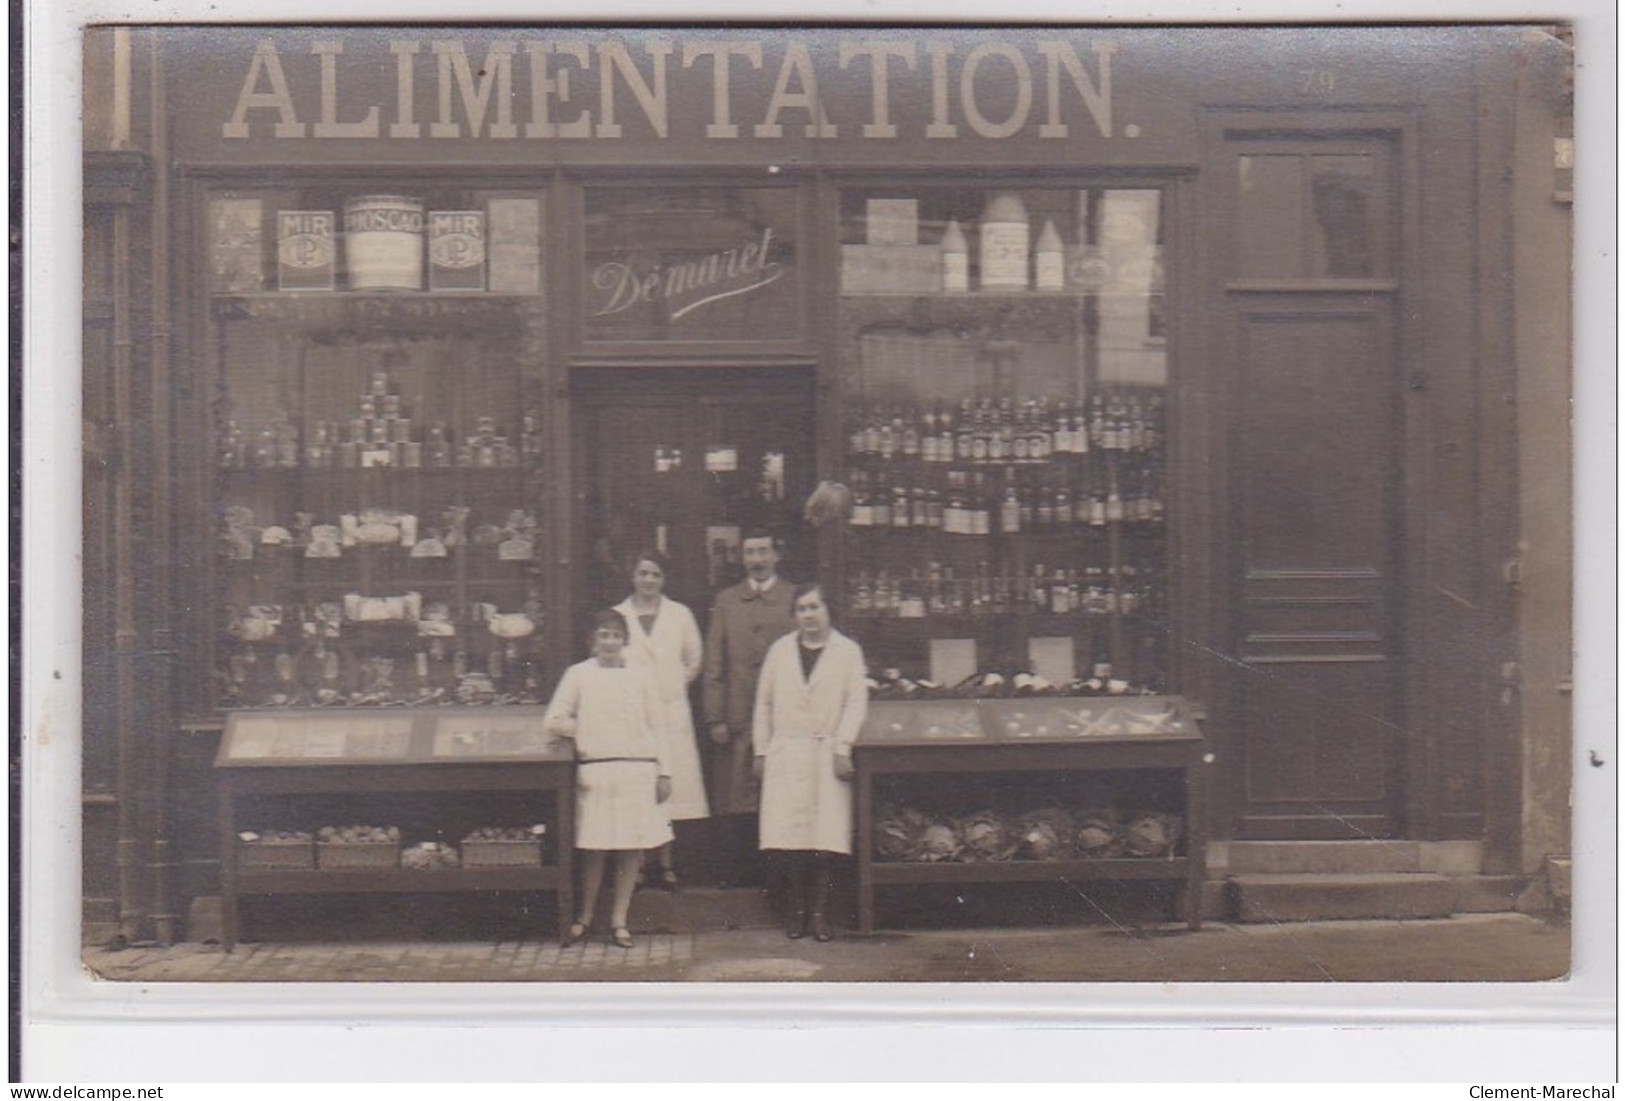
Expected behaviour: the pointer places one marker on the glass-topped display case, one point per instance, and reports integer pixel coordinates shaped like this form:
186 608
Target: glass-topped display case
1032 789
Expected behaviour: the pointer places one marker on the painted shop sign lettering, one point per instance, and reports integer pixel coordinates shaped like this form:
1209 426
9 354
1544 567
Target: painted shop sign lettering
547 89
681 287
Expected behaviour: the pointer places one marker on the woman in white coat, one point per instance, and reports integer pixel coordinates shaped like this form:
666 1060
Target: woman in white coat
665 639
810 703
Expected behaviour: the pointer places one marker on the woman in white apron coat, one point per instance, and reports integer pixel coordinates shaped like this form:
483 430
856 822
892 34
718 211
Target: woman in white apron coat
810 703
666 639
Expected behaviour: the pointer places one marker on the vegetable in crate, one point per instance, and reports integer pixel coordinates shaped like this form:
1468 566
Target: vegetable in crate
1098 834
938 842
429 856
359 835
1151 834
897 833
987 835
1044 834
508 833
249 837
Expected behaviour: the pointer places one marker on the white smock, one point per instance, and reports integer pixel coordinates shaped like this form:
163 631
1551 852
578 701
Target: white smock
802 722
672 649
612 712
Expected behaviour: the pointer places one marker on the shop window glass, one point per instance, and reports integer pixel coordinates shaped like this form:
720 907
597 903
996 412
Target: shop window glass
692 264
376 415
1004 361
1269 226
1344 240
1312 216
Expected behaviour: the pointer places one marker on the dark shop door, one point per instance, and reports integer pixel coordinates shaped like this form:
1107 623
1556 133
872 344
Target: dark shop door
688 461
1313 368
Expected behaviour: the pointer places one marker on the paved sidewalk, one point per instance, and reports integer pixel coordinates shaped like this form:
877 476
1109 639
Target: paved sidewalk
1482 947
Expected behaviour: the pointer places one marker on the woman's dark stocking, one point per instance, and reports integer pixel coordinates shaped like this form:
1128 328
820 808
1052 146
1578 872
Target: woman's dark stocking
818 888
795 873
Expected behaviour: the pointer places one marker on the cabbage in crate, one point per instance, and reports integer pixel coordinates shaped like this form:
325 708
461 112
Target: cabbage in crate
987 835
939 841
897 833
1045 834
1098 835
1152 834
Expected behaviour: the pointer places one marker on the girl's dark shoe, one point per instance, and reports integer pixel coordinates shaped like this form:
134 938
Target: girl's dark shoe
820 929
796 927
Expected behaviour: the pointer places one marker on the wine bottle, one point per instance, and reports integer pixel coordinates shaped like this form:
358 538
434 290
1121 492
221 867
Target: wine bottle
965 439
862 508
1010 508
955 259
880 499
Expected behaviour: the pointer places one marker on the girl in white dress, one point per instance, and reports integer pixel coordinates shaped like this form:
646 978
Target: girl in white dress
612 711
810 703
665 638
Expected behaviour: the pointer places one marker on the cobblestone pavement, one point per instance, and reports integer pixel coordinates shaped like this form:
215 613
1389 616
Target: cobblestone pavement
1488 947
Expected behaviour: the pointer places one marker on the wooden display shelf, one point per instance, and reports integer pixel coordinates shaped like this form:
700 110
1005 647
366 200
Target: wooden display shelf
271 753
957 738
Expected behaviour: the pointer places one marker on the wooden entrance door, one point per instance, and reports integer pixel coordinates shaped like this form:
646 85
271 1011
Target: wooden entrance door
1310 366
688 461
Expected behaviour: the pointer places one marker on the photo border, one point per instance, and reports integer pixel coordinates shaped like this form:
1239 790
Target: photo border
66 1013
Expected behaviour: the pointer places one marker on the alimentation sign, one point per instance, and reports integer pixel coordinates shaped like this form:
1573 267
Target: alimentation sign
538 94
528 89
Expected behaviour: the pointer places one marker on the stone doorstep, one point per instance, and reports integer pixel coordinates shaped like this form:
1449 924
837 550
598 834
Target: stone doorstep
1344 857
1269 898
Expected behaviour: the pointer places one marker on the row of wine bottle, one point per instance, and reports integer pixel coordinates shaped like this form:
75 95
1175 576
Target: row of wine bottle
1010 430
1011 499
938 591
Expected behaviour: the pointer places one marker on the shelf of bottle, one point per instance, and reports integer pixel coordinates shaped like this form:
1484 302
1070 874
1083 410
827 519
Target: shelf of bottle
342 474
1074 531
1036 621
327 567
471 313
880 460
346 294
995 294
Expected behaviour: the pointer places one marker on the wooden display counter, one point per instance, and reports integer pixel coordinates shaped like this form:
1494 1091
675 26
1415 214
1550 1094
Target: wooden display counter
985 750
275 758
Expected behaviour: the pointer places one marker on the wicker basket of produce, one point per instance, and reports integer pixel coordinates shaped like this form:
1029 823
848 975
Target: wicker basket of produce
504 847
351 848
275 851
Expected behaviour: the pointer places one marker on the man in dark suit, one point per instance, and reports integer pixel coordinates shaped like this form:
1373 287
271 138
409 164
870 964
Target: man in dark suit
746 619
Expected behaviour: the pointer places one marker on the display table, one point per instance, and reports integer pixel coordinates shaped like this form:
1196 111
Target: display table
268 756
1040 742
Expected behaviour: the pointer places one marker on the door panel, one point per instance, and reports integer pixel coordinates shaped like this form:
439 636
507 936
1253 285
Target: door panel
689 462
1311 437
1313 417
